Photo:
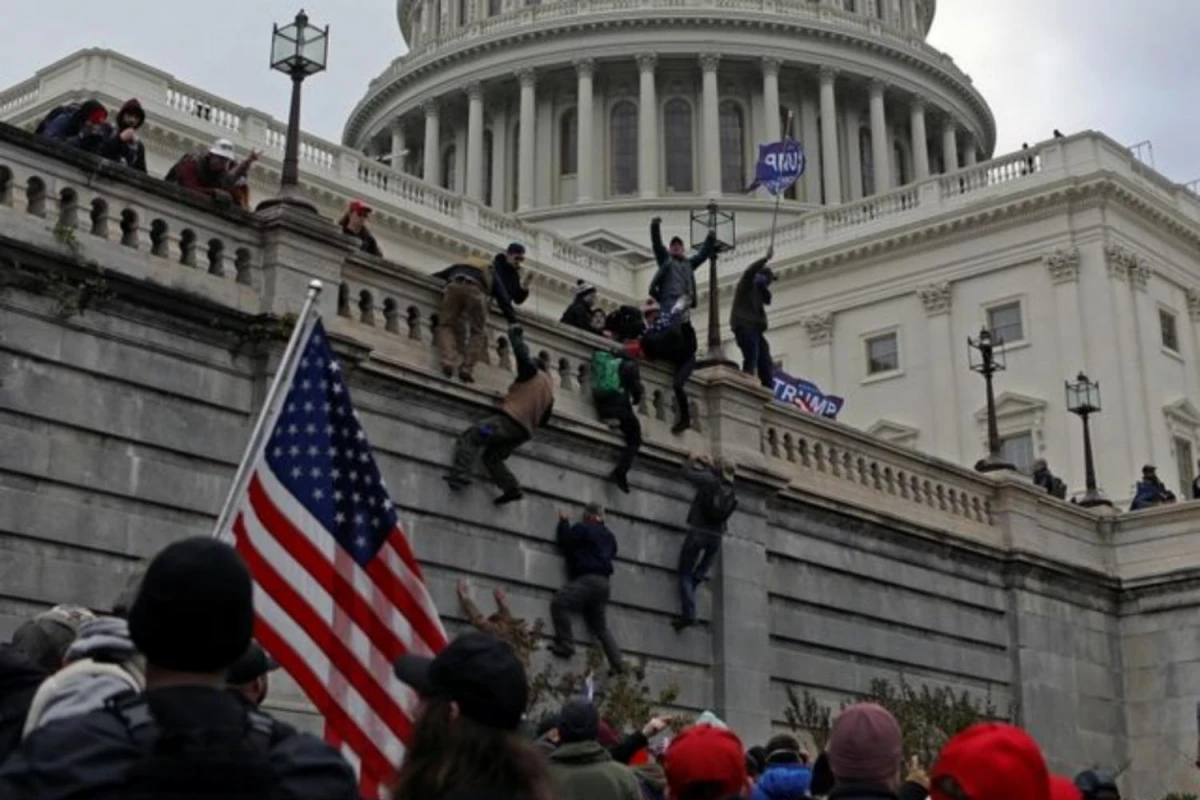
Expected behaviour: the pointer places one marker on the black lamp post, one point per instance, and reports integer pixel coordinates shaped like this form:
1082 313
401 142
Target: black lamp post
986 359
722 223
297 50
1083 398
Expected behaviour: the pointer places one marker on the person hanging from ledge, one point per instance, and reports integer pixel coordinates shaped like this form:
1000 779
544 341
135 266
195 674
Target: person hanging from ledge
589 548
510 284
668 337
708 518
527 406
748 319
617 391
215 172
579 313
1150 491
354 223
460 335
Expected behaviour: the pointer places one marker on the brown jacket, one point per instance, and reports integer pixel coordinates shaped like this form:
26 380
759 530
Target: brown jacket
530 399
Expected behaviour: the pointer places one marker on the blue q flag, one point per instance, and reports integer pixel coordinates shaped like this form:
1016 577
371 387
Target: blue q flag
780 164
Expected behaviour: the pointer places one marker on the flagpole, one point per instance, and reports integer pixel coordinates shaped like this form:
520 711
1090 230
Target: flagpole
779 195
283 377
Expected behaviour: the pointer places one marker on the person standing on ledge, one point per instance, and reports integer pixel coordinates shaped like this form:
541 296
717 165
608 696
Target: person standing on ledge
509 286
589 548
527 406
462 316
748 319
713 505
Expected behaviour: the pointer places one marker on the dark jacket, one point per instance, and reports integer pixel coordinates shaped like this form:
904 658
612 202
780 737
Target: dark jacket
366 241
1196 489
65 123
506 287
611 406
784 782
676 277
652 781
89 756
1150 494
750 299
624 751
578 315
588 548
585 771
1047 480
530 399
860 791
131 155
705 479
19 681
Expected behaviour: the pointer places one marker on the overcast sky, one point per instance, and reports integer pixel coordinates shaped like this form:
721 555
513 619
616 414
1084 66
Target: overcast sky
1129 68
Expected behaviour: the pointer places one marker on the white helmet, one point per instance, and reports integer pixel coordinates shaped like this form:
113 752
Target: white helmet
223 148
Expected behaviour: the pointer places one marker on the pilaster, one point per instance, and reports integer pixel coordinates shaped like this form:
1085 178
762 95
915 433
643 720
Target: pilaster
299 246
938 302
820 339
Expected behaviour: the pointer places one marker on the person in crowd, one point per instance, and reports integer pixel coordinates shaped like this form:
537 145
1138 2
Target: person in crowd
1196 484
579 313
706 762
651 777
354 223
100 665
466 742
191 620
785 776
249 677
1063 788
581 768
1097 784
748 319
676 278
35 652
990 761
714 503
589 548
510 283
625 750
214 172
865 754
1150 491
756 761
123 145
527 406
822 775
462 317
1044 478
668 338
617 391
625 323
600 323
916 784
83 126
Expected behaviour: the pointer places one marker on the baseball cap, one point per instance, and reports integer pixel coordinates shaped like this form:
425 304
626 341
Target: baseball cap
359 207
990 761
706 754
223 148
253 663
479 672
1063 789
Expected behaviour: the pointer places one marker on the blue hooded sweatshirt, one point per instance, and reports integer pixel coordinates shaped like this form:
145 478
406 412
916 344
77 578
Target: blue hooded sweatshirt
783 782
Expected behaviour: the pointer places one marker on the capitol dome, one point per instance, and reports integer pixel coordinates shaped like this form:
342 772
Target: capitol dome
539 108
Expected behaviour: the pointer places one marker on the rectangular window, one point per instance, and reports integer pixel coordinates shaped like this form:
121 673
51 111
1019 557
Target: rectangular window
494 8
1170 331
1004 321
1018 451
1186 465
883 354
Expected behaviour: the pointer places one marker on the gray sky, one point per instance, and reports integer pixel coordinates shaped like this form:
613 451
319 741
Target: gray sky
1126 67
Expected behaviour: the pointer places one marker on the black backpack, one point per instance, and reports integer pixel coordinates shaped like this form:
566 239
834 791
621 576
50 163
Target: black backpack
54 114
718 503
193 763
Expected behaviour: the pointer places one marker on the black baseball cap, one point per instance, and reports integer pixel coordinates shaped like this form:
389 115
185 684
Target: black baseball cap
479 672
254 663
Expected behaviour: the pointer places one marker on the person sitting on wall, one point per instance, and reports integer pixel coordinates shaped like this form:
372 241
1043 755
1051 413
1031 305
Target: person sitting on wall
1043 477
527 406
748 319
589 548
83 126
707 521
510 287
579 313
617 391
626 323
354 223
215 172
122 145
668 337
460 336
1150 491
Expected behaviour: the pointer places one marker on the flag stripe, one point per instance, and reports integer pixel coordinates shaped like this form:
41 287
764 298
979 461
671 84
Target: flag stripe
398 558
299 609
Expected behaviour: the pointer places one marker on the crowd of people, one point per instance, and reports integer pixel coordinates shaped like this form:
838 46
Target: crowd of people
163 700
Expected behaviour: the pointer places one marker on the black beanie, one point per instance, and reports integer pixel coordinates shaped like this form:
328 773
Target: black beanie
195 610
578 722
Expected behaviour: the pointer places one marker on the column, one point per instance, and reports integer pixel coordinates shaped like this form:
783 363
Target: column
500 158
881 150
1063 266
647 126
475 142
528 132
820 341
770 72
585 157
942 420
433 145
710 139
829 144
851 122
920 140
969 152
950 144
811 136
399 146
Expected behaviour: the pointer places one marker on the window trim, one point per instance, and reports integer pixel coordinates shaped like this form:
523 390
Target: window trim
1022 306
662 145
1177 350
865 340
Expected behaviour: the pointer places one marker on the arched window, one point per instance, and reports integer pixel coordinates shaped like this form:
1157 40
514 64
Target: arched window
488 156
495 7
733 148
624 137
677 127
867 156
449 174
568 142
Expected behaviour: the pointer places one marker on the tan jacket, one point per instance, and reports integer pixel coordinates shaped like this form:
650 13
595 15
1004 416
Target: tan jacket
529 402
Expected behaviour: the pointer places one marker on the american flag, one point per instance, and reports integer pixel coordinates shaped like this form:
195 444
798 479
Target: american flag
338 594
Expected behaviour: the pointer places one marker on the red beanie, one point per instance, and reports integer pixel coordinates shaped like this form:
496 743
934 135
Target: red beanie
991 761
706 754
1064 789
97 116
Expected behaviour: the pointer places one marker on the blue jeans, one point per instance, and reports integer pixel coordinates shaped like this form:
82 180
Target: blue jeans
695 559
756 354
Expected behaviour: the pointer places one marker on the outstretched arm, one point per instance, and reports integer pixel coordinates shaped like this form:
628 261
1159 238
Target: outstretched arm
706 250
527 367
656 244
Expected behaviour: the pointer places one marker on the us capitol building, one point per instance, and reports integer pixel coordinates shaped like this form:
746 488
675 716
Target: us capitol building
567 124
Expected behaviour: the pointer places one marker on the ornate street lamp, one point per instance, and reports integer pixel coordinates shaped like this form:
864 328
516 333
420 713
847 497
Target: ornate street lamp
709 219
297 50
1083 398
985 358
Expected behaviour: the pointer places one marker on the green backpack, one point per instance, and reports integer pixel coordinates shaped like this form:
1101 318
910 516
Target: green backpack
606 373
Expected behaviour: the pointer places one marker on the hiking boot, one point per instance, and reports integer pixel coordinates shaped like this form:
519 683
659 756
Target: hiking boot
509 497
465 376
621 480
455 483
681 426
682 624
561 650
